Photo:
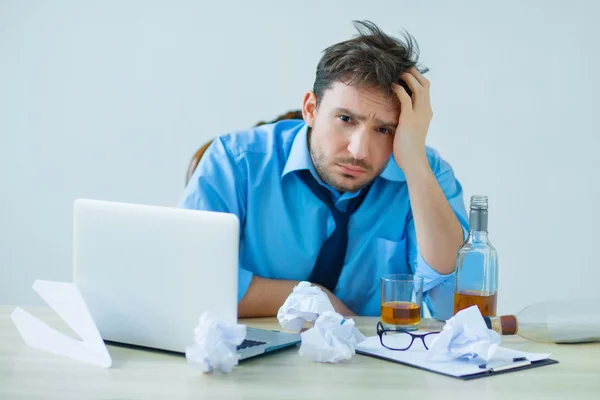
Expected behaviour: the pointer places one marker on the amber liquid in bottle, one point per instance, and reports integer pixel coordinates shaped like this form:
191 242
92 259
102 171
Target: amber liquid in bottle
467 298
400 313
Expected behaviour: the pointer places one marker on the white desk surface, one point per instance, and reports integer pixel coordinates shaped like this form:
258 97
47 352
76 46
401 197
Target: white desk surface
143 374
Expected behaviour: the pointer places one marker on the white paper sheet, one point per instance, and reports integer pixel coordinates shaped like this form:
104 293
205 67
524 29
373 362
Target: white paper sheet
417 356
67 302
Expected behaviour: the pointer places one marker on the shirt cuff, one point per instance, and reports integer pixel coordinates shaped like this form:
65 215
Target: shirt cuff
440 300
244 279
432 278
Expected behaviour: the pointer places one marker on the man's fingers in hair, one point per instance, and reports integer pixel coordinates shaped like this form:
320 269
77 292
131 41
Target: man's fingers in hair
405 100
420 78
412 82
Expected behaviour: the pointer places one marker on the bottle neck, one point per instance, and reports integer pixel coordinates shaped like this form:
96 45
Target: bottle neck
478 236
478 220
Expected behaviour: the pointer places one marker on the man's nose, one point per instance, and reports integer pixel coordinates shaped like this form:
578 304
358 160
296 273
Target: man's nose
359 144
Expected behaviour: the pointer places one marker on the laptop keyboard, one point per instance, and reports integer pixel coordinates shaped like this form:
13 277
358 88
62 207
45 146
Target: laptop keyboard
249 343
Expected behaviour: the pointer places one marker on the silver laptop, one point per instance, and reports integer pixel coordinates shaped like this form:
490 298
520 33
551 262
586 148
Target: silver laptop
147 273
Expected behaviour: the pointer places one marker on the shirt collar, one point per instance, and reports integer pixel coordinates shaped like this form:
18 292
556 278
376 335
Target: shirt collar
299 159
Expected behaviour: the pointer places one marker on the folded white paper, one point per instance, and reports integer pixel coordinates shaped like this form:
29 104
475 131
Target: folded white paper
332 339
465 336
216 344
66 300
305 303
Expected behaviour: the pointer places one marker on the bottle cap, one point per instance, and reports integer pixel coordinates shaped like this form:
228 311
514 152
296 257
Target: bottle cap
510 325
479 202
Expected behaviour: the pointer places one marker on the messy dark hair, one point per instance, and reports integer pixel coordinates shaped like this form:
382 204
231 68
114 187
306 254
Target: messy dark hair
371 59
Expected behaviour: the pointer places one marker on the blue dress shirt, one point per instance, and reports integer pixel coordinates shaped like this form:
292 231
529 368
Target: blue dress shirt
252 174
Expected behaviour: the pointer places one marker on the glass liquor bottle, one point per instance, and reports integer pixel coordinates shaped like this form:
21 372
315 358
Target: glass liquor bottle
568 321
477 264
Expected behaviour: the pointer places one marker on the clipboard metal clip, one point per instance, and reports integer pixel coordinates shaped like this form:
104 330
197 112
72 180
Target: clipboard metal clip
516 363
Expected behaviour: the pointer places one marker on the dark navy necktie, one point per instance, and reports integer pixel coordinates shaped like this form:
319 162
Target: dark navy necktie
330 260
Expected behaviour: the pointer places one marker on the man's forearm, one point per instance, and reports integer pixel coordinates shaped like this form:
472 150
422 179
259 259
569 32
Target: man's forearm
439 233
265 296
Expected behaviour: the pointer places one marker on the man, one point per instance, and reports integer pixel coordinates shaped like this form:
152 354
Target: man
346 195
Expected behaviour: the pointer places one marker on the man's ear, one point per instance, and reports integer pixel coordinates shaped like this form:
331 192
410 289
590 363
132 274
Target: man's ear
309 108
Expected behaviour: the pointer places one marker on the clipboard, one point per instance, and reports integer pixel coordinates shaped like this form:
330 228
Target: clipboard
504 361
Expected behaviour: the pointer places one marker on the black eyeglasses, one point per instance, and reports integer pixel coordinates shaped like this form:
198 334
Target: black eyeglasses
394 339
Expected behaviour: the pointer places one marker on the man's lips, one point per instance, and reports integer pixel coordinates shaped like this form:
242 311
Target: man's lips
352 170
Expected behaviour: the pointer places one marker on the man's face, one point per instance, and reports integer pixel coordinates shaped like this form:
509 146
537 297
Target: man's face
352 134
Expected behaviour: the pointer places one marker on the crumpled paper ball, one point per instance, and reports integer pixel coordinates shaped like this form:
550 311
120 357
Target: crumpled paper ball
216 344
465 336
332 339
305 303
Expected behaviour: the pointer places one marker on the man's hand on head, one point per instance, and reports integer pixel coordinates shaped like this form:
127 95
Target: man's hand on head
413 124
